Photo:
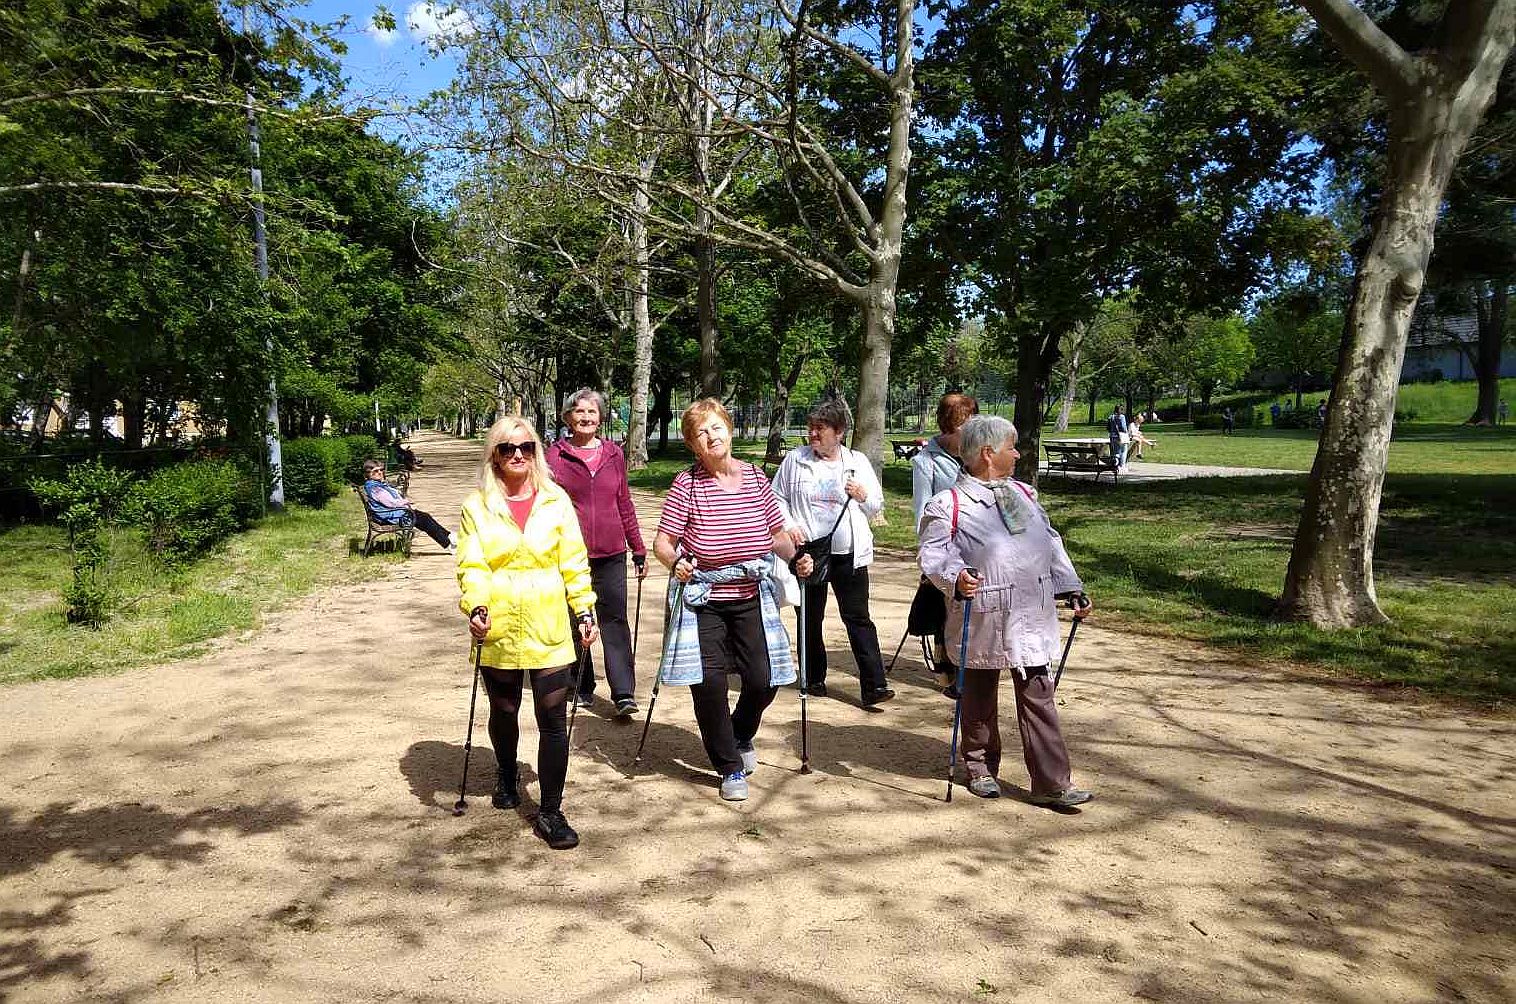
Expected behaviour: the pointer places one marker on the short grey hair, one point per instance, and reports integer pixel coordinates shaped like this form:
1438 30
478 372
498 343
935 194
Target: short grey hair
981 431
579 395
833 411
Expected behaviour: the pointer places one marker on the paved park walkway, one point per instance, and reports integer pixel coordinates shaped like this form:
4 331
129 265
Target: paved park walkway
269 822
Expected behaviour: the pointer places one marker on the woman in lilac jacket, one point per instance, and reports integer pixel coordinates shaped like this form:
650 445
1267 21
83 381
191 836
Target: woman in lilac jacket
992 524
593 472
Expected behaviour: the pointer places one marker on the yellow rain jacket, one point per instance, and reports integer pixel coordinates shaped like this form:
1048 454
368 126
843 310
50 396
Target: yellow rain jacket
523 577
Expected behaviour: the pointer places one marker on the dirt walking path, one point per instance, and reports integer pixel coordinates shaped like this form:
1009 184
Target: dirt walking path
270 823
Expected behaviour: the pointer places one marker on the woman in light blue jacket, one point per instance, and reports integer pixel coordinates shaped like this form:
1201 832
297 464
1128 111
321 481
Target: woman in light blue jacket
934 469
828 490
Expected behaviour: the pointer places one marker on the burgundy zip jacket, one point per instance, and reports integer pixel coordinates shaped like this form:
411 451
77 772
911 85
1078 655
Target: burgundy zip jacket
602 500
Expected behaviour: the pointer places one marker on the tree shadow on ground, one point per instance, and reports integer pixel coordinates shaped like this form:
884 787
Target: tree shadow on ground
114 835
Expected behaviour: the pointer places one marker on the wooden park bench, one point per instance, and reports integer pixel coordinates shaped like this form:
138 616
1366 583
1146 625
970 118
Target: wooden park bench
403 531
1087 457
905 449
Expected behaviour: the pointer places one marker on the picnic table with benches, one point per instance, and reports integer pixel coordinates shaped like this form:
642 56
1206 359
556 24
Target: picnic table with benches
1066 456
905 449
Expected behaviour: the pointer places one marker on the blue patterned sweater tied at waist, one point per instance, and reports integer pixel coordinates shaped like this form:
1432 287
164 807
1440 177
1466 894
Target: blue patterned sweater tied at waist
681 665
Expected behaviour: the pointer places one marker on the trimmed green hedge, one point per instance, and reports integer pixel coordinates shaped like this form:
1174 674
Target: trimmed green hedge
359 449
316 468
1247 418
188 508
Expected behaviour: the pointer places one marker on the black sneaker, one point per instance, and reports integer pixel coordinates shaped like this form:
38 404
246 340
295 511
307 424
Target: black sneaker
553 828
951 692
873 697
816 690
506 796
626 707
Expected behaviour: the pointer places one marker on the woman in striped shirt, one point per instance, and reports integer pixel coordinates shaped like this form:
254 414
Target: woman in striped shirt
722 512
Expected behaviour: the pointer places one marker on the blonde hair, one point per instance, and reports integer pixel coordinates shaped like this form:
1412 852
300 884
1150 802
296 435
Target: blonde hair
696 414
538 473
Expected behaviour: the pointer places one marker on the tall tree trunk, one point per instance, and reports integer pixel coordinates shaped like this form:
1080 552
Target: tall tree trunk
642 322
1435 102
1036 355
884 270
1071 385
784 386
1492 311
133 418
702 114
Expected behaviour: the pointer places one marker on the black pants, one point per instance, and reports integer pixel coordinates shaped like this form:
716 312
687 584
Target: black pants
428 525
549 698
608 575
731 641
852 589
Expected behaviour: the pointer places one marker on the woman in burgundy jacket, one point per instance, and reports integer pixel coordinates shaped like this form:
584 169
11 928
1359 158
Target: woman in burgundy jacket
593 472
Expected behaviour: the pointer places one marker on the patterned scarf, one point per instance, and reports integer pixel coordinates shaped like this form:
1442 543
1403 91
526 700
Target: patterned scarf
1017 510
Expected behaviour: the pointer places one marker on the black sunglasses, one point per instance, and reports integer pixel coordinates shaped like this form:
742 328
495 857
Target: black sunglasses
527 449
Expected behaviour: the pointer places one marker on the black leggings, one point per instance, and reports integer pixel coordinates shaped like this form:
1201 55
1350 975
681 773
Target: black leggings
549 699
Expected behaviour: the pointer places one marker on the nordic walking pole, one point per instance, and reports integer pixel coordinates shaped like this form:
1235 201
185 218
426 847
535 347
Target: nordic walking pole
584 658
805 752
1067 645
903 637
963 657
668 623
461 806
637 620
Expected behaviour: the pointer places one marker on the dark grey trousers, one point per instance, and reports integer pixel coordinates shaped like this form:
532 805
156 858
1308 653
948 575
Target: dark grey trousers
1047 758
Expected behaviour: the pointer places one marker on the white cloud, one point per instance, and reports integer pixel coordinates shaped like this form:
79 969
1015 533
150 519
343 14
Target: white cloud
383 37
437 25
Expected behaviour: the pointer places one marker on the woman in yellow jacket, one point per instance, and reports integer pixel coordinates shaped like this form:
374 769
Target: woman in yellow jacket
519 553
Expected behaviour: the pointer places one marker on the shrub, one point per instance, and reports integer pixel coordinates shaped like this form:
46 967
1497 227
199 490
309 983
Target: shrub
1246 418
1299 418
89 499
359 449
316 468
187 509
304 468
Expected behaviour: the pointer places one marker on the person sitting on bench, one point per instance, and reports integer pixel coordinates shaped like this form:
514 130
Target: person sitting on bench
390 507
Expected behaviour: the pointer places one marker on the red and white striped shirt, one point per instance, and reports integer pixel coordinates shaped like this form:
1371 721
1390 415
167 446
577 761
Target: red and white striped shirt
718 527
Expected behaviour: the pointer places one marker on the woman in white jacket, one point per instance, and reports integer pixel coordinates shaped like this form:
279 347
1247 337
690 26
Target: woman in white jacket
827 489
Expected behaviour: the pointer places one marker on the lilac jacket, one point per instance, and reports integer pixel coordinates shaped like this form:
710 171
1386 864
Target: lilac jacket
1014 620
602 500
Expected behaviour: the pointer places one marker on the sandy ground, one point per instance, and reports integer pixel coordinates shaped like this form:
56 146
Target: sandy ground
270 823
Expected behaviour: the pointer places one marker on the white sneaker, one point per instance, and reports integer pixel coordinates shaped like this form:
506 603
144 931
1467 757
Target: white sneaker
749 759
734 788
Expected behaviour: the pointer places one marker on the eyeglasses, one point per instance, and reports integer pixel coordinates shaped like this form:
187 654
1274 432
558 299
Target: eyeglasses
526 449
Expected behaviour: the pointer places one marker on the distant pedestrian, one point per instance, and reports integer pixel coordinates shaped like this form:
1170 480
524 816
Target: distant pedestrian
1228 421
1502 411
1321 414
1116 429
1274 412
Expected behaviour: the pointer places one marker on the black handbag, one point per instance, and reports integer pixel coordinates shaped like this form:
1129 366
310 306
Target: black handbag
928 616
820 551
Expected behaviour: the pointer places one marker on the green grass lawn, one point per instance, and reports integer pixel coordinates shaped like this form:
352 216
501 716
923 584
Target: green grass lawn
1418 447
166 615
1205 558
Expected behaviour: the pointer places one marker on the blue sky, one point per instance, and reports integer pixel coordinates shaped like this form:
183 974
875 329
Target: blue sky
391 66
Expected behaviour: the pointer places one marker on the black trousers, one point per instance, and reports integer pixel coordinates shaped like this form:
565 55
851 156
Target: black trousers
549 698
427 524
731 641
608 575
851 587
